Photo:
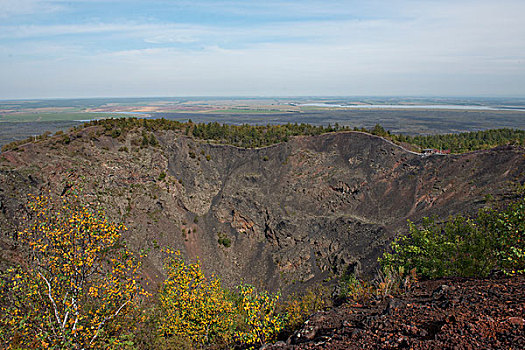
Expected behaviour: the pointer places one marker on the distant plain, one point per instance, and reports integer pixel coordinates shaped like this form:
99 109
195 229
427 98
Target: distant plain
20 119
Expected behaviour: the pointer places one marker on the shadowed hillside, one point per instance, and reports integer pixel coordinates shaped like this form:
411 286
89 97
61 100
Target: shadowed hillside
279 216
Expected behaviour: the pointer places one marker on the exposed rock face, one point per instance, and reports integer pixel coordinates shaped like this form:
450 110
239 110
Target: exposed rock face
294 212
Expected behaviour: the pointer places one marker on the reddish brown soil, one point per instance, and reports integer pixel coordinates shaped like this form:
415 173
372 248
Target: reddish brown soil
440 314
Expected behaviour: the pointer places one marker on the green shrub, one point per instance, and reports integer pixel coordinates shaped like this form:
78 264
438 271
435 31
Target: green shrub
153 141
116 133
224 240
469 247
299 307
65 139
145 141
351 288
193 310
507 227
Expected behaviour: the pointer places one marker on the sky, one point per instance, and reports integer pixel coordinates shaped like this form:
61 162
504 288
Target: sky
134 48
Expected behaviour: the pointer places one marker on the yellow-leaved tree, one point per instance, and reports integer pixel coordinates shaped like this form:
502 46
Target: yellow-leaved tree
196 311
193 307
259 320
77 284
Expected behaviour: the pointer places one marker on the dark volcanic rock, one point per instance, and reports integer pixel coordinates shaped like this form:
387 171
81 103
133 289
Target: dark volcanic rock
462 314
295 212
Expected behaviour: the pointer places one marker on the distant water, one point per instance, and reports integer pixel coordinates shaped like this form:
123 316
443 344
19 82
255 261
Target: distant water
458 107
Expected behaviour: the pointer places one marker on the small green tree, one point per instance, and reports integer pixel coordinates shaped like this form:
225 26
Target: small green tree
507 229
378 130
471 247
455 248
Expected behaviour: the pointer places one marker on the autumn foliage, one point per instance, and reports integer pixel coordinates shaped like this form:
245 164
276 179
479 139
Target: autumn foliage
77 288
193 307
198 311
77 284
259 320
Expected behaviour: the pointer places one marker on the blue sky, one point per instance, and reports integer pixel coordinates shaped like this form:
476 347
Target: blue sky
96 48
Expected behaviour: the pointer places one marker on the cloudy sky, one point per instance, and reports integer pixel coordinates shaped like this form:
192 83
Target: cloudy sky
97 48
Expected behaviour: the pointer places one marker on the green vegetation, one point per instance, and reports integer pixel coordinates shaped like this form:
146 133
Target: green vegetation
147 140
250 136
494 240
456 143
254 135
193 311
224 240
239 135
78 286
260 322
57 116
352 288
466 142
193 308
299 307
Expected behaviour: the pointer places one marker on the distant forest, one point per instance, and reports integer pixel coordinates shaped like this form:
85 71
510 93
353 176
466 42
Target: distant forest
468 141
258 136
252 136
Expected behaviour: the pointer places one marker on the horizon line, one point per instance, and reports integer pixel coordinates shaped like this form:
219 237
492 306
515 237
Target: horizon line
246 97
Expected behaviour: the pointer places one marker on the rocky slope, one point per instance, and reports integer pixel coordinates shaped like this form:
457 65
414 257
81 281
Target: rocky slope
440 314
293 213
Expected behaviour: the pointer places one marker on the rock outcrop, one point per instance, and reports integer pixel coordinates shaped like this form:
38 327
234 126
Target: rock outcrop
293 213
441 314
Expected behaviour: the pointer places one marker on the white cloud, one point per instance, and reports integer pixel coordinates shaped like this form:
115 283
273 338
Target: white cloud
43 31
9 8
429 47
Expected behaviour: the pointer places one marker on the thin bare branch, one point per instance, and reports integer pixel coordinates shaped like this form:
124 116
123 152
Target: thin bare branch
108 318
51 298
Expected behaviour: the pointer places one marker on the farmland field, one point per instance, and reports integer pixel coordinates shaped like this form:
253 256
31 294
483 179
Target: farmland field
22 118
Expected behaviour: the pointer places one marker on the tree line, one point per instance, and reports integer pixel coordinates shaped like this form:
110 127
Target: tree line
252 136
